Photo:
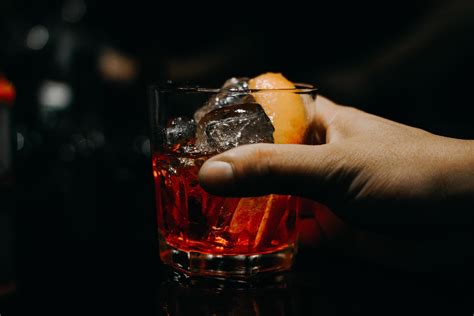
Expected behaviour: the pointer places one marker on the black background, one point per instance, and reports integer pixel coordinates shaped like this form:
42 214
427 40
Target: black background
86 239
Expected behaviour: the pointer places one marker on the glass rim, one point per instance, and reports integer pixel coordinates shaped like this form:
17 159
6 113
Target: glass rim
170 86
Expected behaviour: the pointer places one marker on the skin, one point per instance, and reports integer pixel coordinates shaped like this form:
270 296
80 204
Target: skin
383 178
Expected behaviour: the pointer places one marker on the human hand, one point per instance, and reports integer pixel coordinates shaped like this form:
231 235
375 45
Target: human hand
365 168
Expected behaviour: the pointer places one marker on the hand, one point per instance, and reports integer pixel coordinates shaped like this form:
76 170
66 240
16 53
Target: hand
367 169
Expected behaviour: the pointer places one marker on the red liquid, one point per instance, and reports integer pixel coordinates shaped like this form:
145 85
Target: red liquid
192 220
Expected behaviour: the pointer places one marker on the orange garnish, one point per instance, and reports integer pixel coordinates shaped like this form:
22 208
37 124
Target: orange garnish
285 109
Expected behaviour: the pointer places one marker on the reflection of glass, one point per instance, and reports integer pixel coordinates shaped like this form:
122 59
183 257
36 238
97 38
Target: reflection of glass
202 234
176 298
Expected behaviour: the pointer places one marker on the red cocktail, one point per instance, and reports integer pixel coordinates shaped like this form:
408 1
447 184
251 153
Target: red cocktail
203 234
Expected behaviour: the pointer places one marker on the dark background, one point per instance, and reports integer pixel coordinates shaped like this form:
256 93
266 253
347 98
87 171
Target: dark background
86 239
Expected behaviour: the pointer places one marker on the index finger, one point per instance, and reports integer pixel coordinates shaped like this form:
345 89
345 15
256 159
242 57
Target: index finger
322 114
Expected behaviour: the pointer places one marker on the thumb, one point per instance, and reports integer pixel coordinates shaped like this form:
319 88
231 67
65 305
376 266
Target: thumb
261 169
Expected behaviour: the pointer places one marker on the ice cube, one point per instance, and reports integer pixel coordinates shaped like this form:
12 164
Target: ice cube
234 91
236 84
180 131
231 126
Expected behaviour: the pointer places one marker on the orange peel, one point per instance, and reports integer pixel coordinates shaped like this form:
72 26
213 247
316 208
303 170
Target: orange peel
285 108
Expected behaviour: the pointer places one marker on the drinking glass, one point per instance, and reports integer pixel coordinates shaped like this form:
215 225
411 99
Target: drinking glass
205 235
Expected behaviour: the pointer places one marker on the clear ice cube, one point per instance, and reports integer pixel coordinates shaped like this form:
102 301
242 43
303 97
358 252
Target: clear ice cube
231 126
180 131
236 84
234 91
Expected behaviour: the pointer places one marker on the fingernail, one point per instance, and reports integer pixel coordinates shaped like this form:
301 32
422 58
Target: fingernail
216 172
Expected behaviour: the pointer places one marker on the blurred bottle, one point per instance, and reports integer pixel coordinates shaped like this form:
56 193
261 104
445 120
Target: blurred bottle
7 179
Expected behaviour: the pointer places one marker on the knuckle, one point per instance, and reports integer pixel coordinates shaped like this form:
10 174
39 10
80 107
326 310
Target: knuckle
263 160
351 111
250 161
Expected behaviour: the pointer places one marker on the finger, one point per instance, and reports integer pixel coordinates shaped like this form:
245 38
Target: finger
325 111
260 169
323 119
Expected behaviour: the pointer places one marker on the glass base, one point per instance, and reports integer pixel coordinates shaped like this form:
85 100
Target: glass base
196 264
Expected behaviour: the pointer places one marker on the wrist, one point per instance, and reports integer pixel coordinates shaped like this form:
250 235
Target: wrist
457 170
